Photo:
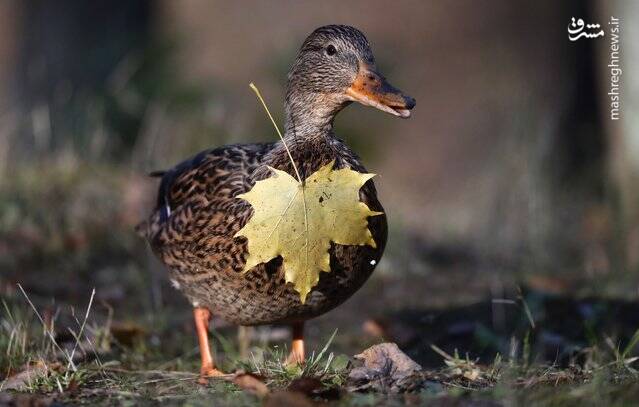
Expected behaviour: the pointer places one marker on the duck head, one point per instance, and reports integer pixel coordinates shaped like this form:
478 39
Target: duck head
335 66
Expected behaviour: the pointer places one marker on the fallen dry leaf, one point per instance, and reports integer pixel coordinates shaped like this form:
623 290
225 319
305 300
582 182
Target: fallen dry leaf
21 381
374 328
306 385
25 400
385 369
127 333
251 383
313 387
287 399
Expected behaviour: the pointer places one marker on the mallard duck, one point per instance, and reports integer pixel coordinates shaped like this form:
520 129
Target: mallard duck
197 215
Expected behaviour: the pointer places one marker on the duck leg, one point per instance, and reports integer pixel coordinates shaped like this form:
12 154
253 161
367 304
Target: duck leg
202 317
297 346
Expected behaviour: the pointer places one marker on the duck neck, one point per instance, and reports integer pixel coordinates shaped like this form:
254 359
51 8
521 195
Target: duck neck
309 117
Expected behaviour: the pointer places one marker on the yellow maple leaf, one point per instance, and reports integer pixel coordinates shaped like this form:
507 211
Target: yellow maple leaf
299 221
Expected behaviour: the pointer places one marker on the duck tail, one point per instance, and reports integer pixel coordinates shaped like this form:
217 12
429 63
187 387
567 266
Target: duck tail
157 174
142 229
149 228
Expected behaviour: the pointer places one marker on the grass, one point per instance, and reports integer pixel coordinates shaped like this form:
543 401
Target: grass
131 342
41 363
324 366
92 365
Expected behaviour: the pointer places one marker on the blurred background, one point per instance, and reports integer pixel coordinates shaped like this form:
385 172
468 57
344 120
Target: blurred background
509 182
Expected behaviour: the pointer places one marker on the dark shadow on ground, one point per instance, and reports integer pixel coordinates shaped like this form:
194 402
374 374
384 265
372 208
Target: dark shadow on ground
537 326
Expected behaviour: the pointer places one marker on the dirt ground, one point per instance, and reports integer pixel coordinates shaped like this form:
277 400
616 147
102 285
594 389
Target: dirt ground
482 332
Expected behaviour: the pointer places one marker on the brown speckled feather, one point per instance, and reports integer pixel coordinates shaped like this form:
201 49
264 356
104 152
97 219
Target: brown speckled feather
198 214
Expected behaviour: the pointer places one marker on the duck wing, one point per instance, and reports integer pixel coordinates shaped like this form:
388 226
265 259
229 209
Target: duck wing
201 186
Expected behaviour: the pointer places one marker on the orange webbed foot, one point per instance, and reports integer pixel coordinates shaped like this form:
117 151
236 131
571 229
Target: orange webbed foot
294 358
297 357
210 372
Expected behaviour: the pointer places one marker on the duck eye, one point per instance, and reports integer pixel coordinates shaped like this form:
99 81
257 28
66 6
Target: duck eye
330 50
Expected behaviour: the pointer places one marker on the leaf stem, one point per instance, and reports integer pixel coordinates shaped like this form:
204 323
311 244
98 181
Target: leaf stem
297 173
259 96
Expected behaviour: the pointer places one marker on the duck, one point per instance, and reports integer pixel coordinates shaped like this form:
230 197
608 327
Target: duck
192 228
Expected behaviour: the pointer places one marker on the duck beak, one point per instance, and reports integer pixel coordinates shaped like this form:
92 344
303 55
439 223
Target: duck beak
371 89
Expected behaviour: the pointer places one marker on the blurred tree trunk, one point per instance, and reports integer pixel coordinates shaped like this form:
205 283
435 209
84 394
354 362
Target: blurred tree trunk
8 47
68 52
